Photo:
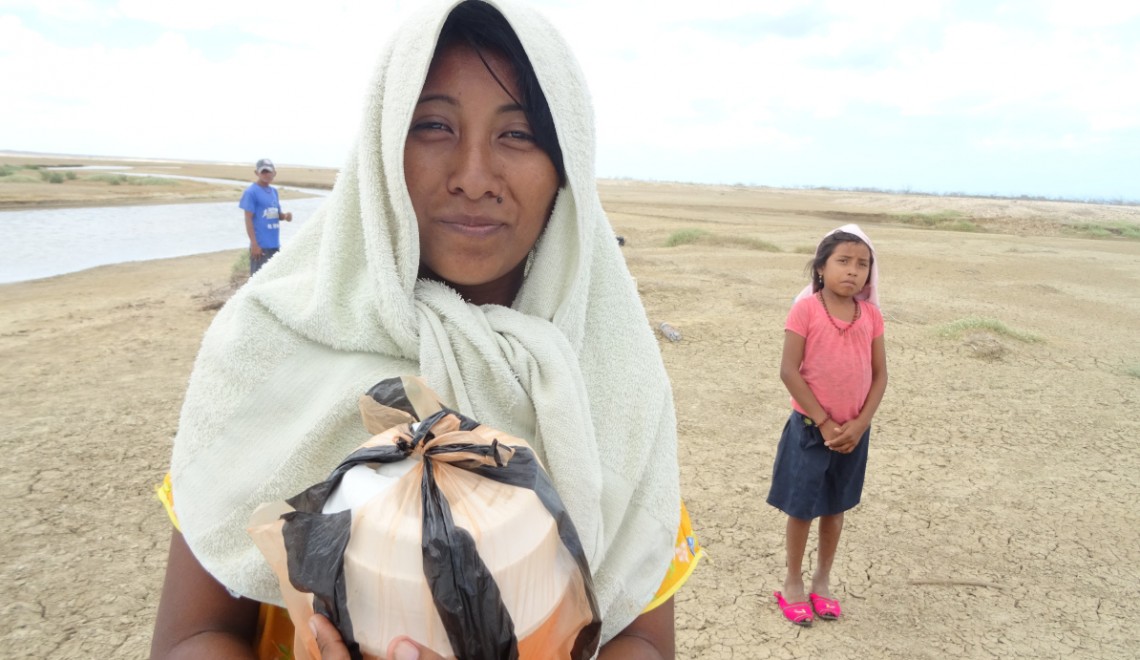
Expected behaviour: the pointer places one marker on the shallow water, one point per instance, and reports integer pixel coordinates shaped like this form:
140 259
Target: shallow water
46 242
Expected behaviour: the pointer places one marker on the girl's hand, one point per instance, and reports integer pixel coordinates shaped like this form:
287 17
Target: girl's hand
332 646
845 438
830 432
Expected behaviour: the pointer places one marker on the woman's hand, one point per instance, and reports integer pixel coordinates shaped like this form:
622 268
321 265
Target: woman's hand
332 646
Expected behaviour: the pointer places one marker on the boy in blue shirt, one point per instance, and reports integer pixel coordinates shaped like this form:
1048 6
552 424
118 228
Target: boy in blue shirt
263 214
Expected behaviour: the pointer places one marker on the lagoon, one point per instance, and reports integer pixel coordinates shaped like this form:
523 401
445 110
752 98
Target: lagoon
46 242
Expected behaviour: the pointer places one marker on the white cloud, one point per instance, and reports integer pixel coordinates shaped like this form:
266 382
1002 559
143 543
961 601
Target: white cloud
1090 13
221 78
1067 142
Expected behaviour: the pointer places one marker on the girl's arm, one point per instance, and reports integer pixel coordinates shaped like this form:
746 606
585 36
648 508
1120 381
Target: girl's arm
197 616
799 389
852 431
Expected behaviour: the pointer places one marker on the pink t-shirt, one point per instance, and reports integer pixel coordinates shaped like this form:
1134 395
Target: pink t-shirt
837 367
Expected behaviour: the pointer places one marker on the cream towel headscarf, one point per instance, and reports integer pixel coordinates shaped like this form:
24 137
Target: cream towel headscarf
573 365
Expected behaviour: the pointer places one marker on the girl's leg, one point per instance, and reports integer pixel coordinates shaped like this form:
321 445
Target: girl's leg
830 527
796 543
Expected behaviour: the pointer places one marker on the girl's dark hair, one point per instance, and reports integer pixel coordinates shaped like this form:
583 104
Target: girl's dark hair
823 253
485 29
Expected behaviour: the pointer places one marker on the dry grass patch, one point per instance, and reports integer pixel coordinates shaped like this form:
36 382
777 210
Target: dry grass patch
945 220
217 296
690 236
1105 230
974 325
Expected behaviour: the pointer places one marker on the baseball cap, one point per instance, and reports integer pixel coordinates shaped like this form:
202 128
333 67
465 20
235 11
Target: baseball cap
264 164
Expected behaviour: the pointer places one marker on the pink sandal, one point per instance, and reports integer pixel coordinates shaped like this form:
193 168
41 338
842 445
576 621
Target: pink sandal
797 613
826 608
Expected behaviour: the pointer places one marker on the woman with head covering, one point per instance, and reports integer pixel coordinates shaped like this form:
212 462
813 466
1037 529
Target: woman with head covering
464 241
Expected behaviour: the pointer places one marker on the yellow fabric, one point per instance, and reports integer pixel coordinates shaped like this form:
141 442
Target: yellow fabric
275 629
165 494
686 556
274 633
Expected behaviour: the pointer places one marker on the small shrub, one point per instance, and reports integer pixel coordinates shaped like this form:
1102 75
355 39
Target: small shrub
150 181
989 325
685 236
239 270
71 176
9 170
1133 371
55 177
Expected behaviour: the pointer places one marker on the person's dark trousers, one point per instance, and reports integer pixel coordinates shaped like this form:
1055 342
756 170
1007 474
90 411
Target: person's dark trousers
255 263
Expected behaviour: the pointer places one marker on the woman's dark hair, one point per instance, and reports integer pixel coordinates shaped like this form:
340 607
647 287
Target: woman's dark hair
823 253
482 27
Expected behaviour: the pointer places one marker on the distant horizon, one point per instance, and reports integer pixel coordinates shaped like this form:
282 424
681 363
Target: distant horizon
1010 99
823 187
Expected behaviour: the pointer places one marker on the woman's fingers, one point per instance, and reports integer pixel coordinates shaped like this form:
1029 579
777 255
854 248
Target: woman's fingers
332 646
403 648
328 639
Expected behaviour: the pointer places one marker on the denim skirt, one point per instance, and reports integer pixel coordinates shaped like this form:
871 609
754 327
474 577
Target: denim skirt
808 479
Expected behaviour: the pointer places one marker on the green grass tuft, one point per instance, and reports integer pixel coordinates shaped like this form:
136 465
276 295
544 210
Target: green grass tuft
685 236
113 179
239 270
945 220
152 181
1133 371
20 178
123 179
1115 230
956 328
746 242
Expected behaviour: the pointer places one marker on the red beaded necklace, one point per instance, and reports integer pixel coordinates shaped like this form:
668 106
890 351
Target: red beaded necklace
842 331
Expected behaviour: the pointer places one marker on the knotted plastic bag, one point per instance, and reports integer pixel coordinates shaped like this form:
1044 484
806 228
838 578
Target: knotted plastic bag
438 528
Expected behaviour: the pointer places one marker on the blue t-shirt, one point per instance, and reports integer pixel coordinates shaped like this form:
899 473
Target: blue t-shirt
263 203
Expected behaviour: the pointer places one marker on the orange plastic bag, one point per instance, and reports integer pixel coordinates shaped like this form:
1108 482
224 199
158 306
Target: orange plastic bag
438 528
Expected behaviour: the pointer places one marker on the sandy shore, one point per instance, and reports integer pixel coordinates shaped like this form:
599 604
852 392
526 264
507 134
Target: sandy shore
22 187
999 516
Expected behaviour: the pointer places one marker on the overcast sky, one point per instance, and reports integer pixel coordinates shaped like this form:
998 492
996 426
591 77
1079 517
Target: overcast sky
1031 97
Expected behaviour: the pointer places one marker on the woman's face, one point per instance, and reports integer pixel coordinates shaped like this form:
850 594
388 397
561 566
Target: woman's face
470 146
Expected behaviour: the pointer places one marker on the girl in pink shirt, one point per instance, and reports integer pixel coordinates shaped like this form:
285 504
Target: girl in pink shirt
835 367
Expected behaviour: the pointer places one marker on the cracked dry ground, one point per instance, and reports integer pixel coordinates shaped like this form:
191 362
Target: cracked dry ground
999 517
